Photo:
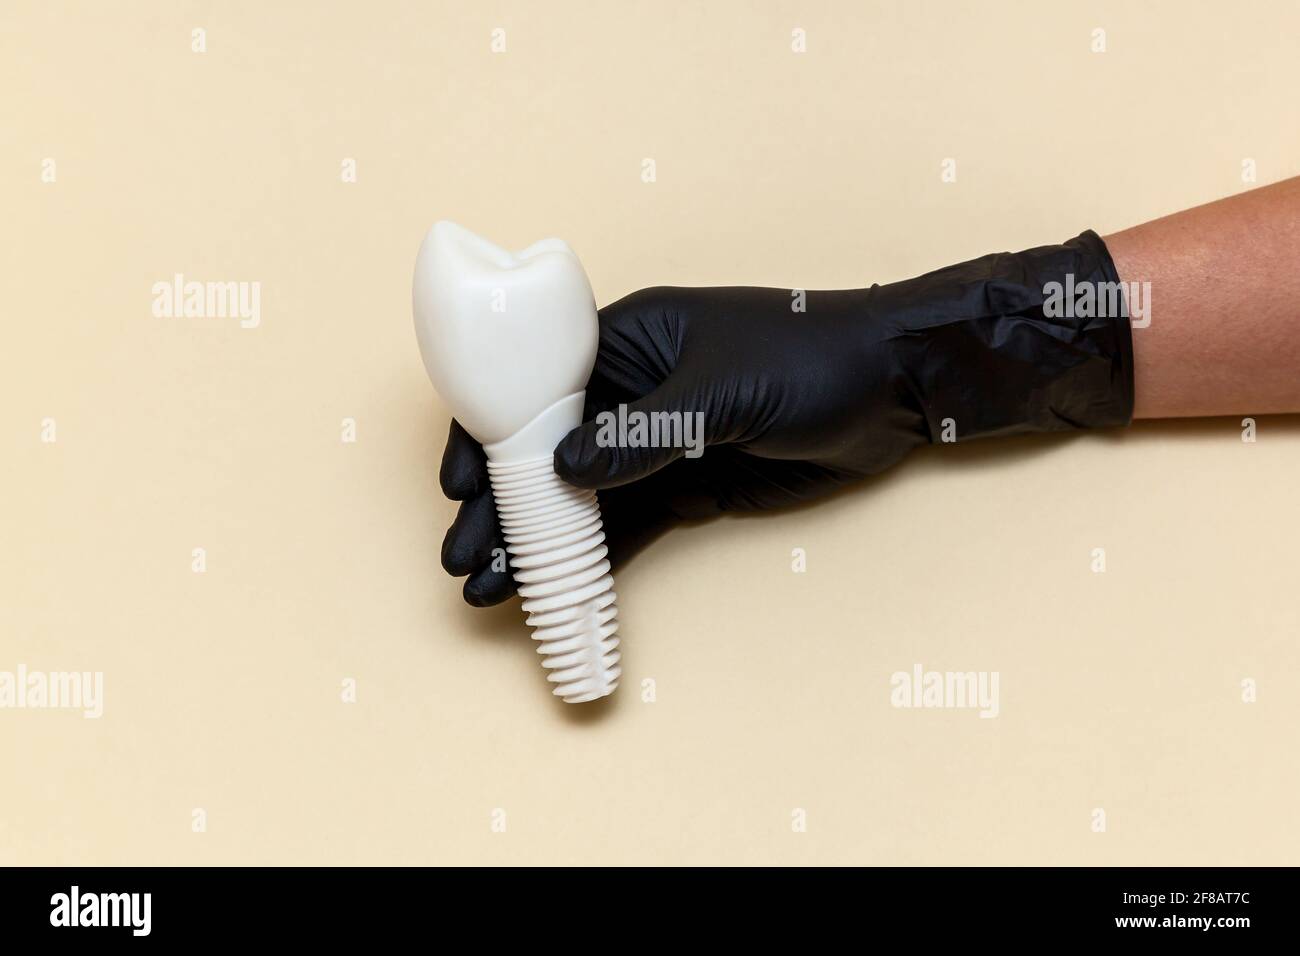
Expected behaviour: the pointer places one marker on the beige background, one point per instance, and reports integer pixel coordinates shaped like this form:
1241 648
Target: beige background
1118 690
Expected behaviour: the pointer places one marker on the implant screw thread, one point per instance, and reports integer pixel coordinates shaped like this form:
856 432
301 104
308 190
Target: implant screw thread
557 551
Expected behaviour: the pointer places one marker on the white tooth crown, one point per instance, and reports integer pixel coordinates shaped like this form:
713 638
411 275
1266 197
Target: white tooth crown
504 335
509 341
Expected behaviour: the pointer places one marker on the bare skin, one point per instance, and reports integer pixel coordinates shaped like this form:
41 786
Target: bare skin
1224 335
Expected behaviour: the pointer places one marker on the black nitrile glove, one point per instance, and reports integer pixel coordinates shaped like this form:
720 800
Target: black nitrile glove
797 403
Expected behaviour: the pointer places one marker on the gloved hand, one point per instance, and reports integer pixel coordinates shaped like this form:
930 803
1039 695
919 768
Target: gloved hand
796 403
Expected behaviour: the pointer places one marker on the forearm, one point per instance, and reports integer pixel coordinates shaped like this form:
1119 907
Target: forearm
1224 333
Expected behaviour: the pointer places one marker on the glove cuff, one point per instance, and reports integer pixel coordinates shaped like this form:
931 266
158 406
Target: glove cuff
1011 343
1116 333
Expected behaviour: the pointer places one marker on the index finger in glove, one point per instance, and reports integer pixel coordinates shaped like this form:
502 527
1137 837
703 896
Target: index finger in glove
464 466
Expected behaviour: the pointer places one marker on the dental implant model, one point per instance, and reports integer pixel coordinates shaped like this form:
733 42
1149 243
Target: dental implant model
509 341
